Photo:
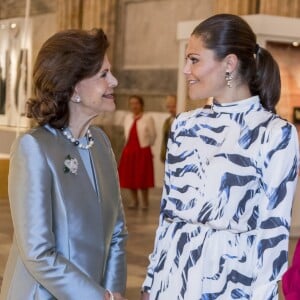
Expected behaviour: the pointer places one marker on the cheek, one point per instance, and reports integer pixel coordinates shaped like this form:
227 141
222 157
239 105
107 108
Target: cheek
213 75
102 87
200 71
99 86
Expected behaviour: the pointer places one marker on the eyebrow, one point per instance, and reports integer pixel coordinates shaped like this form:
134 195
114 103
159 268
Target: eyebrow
191 54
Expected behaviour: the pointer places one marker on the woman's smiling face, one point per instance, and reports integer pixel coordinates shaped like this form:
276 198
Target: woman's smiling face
204 73
96 92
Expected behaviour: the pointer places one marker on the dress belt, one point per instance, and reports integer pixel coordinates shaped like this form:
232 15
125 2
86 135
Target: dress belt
178 220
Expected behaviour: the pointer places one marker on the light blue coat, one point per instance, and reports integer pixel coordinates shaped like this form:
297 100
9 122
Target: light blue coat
69 242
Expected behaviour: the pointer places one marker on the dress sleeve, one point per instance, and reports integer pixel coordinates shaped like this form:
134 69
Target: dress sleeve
31 208
159 236
291 278
115 276
280 159
153 258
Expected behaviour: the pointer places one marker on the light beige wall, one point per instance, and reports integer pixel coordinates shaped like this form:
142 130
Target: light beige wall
239 7
150 31
43 26
288 8
146 48
16 8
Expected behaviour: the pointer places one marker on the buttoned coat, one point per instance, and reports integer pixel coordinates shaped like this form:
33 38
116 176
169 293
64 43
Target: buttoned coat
69 238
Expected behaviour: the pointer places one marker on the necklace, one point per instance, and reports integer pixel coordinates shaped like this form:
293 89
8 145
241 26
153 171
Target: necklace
76 142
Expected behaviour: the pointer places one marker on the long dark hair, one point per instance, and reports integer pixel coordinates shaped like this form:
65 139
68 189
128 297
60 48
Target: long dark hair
230 34
64 59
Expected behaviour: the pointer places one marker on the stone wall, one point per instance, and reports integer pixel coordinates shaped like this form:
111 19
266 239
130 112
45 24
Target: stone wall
16 8
146 48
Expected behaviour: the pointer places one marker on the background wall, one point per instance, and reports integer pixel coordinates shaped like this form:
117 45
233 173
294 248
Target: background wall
146 55
144 49
287 57
16 8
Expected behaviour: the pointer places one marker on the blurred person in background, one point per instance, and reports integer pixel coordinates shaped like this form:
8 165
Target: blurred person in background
171 103
136 162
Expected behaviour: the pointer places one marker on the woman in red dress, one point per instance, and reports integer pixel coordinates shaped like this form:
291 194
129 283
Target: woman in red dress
136 163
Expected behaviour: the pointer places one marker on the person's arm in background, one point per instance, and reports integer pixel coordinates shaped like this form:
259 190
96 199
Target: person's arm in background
164 141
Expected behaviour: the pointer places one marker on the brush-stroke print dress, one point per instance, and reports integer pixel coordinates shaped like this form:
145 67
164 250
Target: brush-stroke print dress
230 178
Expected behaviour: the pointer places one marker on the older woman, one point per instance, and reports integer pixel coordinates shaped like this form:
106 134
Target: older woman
63 187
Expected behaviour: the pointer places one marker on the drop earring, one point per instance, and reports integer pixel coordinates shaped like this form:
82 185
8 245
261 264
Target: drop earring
228 78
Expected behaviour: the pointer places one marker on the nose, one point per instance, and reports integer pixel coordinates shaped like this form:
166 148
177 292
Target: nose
187 68
113 82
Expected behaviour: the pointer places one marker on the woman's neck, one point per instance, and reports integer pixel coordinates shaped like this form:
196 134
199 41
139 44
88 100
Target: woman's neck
234 94
79 127
79 120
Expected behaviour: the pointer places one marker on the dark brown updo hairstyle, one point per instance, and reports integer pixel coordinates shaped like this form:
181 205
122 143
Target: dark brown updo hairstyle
230 34
64 59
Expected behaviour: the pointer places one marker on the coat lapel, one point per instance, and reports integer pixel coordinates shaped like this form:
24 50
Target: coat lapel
106 179
77 187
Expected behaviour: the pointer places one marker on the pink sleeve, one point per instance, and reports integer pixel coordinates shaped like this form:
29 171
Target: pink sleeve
291 278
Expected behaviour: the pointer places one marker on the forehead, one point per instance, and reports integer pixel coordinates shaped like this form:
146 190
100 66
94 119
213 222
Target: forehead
171 100
105 63
195 45
134 100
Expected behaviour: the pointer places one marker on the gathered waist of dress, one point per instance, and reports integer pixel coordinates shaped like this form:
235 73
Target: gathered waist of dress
207 226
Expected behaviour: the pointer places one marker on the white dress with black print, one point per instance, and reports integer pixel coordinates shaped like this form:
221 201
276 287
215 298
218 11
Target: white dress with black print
230 178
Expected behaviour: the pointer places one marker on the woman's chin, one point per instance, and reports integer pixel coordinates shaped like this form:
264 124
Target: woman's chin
197 96
108 104
109 107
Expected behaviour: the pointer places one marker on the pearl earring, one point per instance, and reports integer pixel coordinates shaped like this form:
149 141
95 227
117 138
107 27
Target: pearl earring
76 98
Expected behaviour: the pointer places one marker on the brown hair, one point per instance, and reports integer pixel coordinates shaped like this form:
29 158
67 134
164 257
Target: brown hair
139 98
64 59
230 34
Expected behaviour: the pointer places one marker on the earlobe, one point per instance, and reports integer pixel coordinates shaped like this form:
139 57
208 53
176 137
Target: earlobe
75 97
231 61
